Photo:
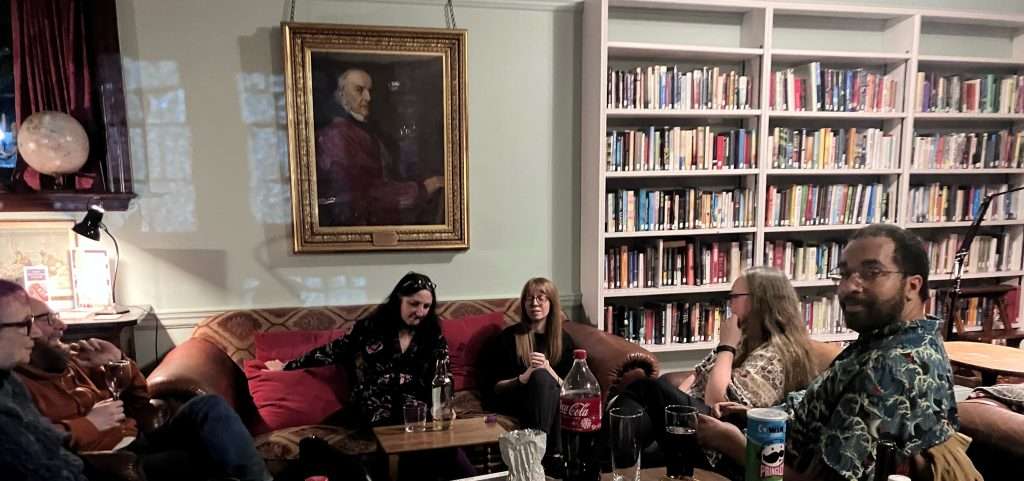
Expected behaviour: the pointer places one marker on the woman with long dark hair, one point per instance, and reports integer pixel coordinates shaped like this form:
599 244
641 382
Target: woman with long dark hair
391 353
390 358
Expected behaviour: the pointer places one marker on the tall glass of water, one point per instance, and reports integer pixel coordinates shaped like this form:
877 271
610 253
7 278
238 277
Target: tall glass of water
118 375
624 424
681 448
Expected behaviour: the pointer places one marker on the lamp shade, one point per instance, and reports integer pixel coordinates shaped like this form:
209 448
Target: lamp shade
89 227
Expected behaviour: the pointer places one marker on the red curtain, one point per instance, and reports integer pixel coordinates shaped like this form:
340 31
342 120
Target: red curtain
52 69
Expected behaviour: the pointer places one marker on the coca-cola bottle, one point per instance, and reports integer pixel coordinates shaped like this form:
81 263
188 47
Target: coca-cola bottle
580 409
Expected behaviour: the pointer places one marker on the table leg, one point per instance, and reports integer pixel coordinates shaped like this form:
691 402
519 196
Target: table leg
393 467
988 378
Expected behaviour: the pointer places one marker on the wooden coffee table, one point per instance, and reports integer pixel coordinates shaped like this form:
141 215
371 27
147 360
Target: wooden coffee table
991 360
464 432
649 474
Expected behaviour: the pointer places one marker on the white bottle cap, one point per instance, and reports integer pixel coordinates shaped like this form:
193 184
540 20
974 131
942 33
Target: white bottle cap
898 477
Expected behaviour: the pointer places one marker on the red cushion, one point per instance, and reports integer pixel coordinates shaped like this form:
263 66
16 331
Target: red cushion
466 336
294 398
288 345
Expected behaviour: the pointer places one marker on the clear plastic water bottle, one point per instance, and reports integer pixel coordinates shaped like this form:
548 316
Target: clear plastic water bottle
580 410
442 396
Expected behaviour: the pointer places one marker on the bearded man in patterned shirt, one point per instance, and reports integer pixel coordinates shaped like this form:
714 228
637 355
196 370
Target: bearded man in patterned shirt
894 382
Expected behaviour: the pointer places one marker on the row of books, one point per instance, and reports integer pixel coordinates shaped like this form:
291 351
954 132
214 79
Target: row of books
809 204
989 93
974 310
690 208
676 263
813 88
832 149
987 254
951 203
699 321
677 148
672 87
969 150
803 261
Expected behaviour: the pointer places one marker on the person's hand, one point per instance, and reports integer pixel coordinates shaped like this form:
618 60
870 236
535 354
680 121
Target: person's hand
106 414
433 184
718 435
274 365
525 376
729 331
540 361
92 353
729 408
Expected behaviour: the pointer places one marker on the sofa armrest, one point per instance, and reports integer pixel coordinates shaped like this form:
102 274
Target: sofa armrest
198 367
120 465
612 358
990 423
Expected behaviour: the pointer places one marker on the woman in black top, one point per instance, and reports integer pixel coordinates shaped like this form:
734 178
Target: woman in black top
523 375
389 355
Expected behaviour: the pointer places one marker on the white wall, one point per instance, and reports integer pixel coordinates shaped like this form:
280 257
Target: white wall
212 227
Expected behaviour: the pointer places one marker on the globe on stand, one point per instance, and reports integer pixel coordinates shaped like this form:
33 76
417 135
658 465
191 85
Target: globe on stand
53 143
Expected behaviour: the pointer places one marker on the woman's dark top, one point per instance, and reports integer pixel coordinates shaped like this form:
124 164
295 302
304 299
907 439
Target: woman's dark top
501 362
382 377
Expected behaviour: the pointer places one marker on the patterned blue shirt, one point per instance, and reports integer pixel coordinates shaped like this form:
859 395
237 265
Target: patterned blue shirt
893 383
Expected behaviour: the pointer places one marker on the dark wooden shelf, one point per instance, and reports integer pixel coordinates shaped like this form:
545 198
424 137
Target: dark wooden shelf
63 201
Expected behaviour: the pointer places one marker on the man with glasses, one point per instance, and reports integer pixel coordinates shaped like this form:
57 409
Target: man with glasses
893 383
30 447
68 386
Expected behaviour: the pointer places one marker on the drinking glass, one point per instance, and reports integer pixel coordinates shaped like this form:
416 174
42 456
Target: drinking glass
681 449
118 375
415 414
624 424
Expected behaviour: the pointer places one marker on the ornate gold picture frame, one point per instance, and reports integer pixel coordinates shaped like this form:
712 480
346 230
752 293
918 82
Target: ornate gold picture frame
376 137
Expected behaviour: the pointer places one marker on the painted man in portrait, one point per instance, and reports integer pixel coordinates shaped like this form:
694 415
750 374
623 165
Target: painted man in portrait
355 183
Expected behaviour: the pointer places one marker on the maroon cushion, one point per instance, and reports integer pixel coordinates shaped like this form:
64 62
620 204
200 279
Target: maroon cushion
466 336
294 398
288 345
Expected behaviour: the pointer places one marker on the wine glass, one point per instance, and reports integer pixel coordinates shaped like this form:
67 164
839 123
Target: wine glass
117 374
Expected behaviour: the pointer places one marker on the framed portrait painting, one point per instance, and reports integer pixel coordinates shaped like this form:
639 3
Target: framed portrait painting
376 137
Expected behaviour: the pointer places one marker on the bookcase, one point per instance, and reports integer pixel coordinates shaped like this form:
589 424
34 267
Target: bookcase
667 85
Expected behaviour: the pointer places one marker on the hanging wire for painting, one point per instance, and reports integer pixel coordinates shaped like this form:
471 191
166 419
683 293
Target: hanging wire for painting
449 14
291 14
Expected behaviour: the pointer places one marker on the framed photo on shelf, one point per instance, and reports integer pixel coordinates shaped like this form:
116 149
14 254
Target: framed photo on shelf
40 246
91 273
376 137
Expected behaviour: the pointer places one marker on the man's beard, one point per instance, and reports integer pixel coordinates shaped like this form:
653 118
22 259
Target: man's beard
874 313
49 358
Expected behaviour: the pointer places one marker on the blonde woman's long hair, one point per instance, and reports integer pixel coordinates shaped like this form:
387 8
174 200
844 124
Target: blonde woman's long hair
775 319
552 327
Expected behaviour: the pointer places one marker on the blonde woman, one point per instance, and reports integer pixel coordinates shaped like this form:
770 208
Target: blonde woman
522 372
764 352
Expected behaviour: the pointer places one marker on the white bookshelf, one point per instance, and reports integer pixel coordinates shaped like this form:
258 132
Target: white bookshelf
758 37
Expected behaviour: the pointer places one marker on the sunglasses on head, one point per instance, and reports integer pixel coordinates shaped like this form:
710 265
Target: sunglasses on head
418 283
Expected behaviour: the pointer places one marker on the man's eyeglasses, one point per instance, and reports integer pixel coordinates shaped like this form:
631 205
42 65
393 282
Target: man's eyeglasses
26 325
51 318
865 274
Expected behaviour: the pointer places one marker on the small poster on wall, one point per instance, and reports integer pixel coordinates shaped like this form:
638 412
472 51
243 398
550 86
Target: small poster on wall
91 271
29 244
37 282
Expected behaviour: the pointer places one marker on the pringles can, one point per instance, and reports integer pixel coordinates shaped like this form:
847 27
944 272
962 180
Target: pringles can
766 444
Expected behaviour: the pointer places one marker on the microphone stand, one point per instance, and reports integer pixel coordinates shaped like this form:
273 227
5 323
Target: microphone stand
953 301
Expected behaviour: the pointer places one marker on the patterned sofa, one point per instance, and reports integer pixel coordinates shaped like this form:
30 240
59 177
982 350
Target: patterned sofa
210 362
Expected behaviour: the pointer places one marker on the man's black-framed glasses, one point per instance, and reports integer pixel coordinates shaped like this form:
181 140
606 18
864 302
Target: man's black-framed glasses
865 274
51 318
25 324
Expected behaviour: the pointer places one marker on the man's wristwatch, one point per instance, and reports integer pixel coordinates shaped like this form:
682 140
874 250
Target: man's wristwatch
725 347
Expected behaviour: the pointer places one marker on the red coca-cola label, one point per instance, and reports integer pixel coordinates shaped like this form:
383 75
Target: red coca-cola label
580 414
